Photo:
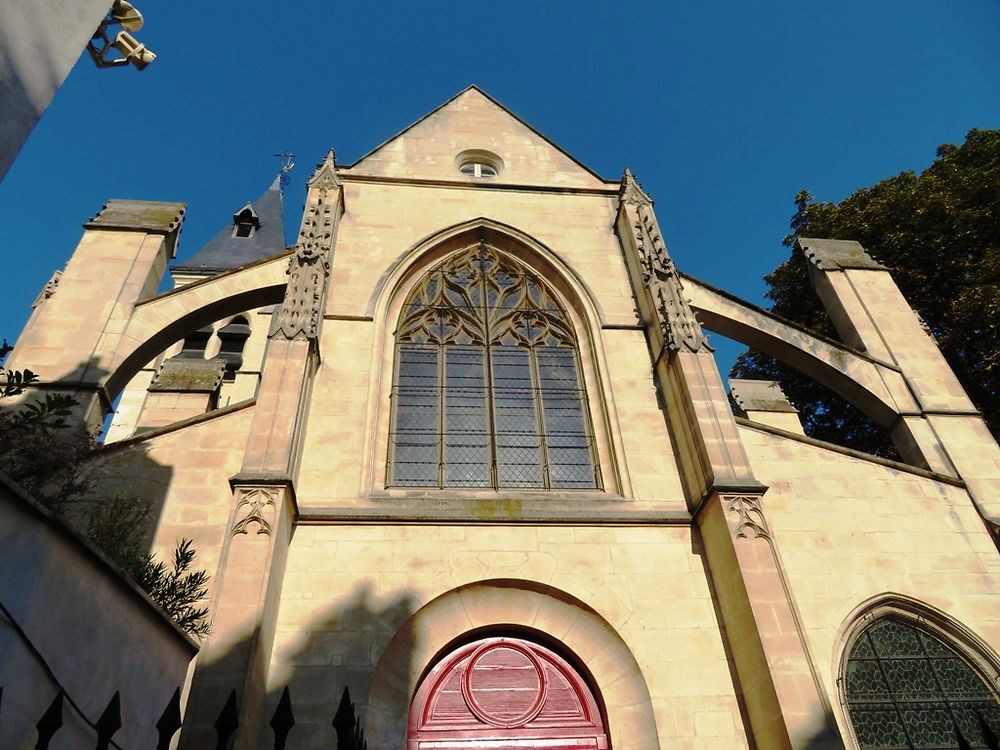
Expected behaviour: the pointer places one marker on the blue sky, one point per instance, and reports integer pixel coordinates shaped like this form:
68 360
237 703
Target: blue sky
724 109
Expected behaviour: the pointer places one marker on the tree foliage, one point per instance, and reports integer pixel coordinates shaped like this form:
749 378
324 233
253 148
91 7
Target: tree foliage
939 232
40 451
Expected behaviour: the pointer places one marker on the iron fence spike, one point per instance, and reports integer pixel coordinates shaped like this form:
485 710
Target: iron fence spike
50 722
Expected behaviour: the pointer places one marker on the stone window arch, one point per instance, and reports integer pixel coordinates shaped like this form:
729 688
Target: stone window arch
914 680
505 690
487 385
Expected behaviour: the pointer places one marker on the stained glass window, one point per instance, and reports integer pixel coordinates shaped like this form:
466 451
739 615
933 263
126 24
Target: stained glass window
487 390
906 689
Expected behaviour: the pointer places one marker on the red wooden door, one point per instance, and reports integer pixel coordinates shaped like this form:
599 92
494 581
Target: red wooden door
504 694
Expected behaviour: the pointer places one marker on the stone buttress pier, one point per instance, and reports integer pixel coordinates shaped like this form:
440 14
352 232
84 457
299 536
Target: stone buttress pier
785 702
232 665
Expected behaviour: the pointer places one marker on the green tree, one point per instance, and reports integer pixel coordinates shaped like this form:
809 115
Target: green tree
39 451
939 232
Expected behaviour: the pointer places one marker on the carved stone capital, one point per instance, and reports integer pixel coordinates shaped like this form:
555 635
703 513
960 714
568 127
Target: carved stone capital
255 506
678 324
747 516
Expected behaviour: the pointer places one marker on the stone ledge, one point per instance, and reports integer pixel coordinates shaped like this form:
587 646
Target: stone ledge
837 255
179 425
151 216
888 463
438 509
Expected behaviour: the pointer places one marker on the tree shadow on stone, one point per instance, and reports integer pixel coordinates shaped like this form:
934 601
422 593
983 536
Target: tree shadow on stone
339 648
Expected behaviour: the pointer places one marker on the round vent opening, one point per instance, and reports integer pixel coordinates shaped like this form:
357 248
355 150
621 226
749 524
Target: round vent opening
477 162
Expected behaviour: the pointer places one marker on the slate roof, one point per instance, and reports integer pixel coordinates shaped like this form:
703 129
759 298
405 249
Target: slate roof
225 252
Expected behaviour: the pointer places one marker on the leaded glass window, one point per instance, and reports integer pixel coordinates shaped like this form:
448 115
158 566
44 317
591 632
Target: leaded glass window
906 689
487 390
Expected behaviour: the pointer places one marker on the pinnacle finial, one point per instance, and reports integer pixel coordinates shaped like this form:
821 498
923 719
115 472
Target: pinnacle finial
326 172
631 191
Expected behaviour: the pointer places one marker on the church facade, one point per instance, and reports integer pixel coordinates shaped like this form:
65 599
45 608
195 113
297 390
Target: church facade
464 449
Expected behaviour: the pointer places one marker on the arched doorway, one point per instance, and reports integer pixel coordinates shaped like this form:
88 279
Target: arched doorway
504 694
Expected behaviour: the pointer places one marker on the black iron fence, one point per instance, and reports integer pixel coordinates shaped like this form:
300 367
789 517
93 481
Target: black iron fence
345 722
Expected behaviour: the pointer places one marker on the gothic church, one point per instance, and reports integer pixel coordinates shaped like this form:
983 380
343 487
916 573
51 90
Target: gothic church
465 451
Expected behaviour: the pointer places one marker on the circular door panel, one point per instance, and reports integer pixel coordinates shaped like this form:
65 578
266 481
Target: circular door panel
501 694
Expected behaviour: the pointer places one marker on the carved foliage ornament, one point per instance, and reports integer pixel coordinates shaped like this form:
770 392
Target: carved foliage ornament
309 268
679 326
749 516
254 506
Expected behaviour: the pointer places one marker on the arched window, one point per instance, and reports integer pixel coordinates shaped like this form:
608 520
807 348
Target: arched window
504 693
487 390
905 688
193 346
232 338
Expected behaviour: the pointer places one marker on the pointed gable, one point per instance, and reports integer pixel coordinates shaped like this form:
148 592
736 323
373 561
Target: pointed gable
474 123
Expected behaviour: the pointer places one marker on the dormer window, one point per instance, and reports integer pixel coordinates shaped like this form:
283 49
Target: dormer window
479 163
245 222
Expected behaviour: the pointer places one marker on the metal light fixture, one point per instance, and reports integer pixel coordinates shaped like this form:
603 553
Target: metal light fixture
124 15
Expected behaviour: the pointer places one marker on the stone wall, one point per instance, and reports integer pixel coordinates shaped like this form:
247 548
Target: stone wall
72 622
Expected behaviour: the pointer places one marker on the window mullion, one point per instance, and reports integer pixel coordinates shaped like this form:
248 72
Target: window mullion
442 397
536 389
494 471
888 684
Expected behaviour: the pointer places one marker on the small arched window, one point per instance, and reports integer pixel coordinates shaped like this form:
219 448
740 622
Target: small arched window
905 688
193 346
232 338
487 390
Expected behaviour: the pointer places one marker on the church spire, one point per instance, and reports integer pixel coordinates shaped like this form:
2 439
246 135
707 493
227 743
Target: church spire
256 231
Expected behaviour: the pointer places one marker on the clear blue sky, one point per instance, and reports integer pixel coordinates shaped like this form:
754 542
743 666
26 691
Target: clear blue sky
724 109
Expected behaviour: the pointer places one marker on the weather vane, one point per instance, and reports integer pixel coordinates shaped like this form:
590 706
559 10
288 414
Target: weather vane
287 158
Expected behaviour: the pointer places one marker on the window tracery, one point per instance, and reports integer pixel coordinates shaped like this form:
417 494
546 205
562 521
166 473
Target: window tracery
905 688
487 390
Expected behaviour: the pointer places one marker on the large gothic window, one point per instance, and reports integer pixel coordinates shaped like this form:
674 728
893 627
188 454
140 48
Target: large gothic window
906 689
487 390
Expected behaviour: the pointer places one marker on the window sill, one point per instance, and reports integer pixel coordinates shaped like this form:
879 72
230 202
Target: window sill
487 506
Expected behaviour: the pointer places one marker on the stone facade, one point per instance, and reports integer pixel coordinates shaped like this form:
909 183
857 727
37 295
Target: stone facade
706 589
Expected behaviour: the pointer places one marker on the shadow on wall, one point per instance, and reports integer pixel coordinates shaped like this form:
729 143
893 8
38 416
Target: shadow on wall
67 618
332 649
827 739
72 476
341 649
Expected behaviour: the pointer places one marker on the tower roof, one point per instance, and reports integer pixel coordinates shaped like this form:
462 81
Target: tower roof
257 231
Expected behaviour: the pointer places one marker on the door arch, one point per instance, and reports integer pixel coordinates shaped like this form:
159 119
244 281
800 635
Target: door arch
504 694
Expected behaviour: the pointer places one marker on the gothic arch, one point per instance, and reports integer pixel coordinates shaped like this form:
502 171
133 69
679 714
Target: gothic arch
433 247
518 608
395 285
909 612
158 322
